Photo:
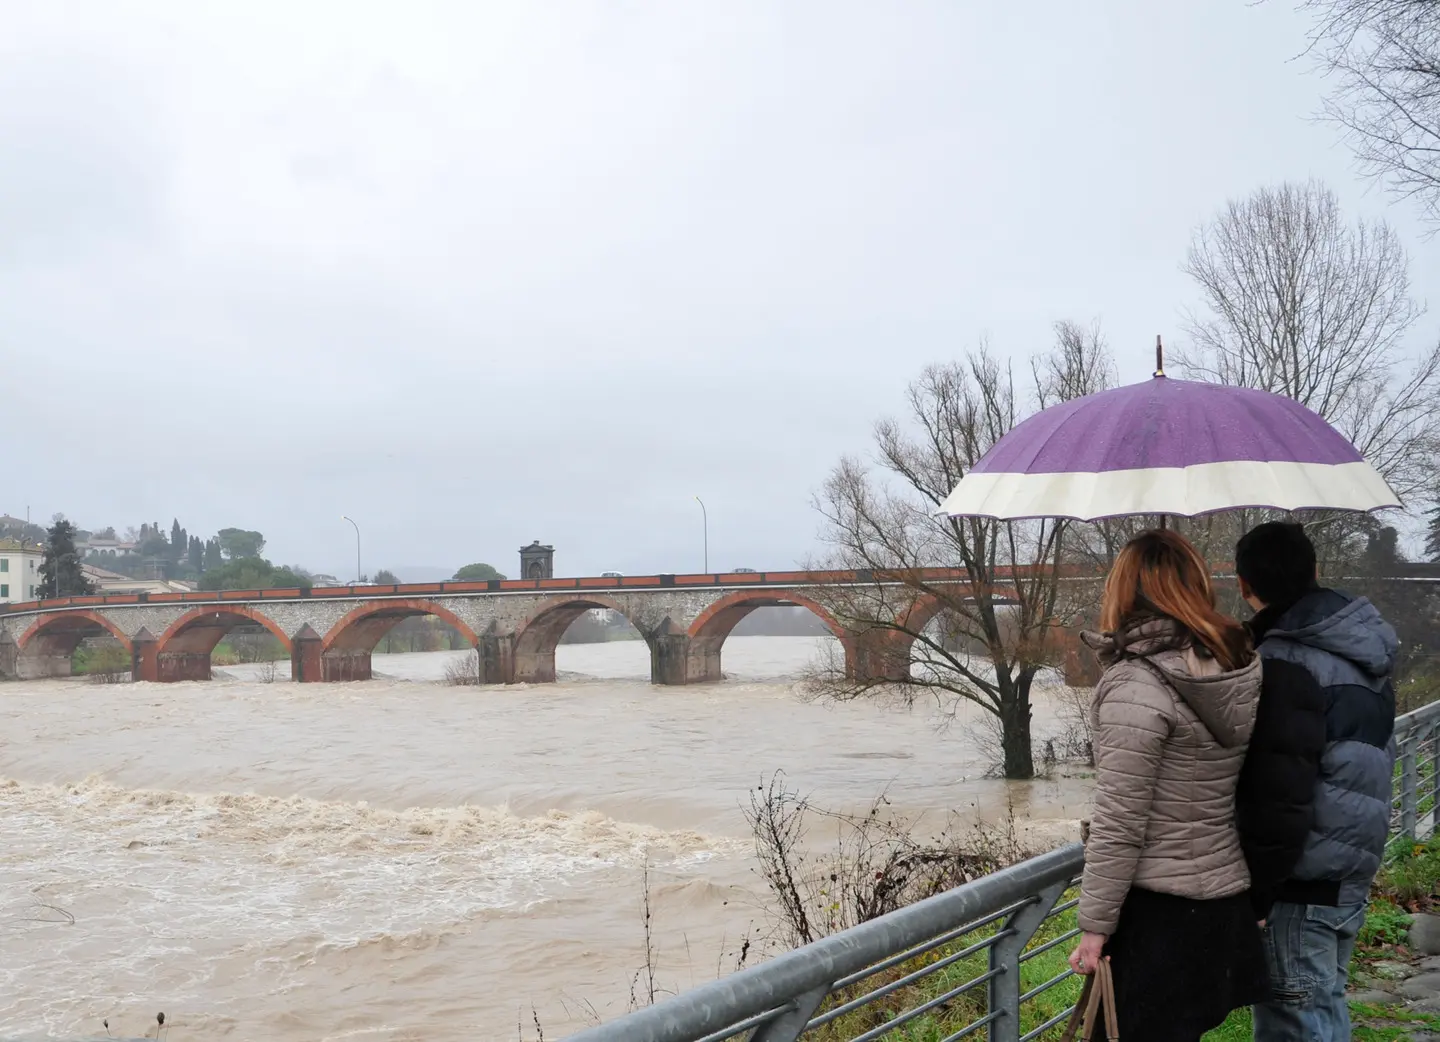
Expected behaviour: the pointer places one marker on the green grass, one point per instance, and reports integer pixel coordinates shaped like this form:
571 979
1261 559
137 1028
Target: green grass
1385 924
1410 872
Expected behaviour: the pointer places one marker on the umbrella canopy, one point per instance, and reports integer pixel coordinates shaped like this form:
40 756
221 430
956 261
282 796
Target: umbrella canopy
1168 447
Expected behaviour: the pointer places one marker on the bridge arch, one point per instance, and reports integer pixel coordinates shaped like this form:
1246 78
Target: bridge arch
346 649
713 625
183 651
925 638
537 637
47 646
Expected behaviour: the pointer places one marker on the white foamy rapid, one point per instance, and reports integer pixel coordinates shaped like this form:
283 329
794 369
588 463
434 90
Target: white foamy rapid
400 859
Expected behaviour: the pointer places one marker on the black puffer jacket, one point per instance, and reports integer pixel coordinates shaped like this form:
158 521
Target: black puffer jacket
1275 803
1350 650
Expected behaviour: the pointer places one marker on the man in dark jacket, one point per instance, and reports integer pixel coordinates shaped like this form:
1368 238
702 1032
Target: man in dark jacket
1275 801
1348 652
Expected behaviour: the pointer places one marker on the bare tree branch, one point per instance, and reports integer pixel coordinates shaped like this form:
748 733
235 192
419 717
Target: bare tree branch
1384 57
1301 303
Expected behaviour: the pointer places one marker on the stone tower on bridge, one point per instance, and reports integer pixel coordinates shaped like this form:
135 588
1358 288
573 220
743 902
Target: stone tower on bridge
537 562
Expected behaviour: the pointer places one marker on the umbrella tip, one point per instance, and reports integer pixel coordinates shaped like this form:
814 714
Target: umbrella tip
1159 357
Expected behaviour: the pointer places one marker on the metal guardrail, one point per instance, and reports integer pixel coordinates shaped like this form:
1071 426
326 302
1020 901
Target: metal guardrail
1417 781
981 942
978 936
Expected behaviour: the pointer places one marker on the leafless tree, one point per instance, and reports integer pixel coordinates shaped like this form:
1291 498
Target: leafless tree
1080 363
1384 57
983 630
1304 304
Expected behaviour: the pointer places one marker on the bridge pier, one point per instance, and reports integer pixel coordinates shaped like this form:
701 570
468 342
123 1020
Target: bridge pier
306 648
145 656
496 652
174 666
339 665
878 655
670 658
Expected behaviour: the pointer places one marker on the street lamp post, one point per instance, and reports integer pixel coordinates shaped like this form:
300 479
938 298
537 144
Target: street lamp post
705 517
358 573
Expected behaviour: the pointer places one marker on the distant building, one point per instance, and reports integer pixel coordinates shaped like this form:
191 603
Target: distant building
19 570
97 545
112 582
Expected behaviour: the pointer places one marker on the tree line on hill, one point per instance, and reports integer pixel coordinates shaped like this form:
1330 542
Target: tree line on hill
228 560
231 559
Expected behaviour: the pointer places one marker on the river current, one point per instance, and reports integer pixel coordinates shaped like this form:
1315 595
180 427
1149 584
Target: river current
404 860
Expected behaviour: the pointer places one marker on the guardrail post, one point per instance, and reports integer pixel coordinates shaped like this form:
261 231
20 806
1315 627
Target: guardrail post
1432 738
1004 989
1409 786
788 1026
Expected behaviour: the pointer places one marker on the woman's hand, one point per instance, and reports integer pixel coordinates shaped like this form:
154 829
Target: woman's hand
1087 953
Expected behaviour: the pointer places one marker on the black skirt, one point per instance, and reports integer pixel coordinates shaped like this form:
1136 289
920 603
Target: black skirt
1180 965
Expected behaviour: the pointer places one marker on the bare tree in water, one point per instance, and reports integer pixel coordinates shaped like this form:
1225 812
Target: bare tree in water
983 632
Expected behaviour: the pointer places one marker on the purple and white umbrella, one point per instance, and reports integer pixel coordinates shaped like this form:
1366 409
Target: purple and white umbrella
1168 447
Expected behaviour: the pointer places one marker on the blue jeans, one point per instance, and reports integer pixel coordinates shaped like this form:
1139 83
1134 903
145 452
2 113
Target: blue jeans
1308 950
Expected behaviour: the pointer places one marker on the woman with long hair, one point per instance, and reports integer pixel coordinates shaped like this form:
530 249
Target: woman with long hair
1164 894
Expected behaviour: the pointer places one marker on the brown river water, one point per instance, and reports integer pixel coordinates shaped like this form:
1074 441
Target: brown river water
400 859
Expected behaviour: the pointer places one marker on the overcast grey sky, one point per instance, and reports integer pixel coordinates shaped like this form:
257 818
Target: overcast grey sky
476 273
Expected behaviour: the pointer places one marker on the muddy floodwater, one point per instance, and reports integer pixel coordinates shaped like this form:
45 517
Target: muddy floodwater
400 859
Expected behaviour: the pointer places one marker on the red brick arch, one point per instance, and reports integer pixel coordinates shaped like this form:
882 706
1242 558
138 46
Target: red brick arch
712 627
56 623
919 614
537 637
352 631
238 611
722 616
568 607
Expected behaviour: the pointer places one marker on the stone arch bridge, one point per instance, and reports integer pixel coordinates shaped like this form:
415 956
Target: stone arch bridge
514 625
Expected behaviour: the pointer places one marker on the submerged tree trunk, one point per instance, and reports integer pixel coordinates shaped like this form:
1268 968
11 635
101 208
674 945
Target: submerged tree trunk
1015 720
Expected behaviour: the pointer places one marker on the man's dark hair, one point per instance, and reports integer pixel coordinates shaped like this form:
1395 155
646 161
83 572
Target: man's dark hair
1277 562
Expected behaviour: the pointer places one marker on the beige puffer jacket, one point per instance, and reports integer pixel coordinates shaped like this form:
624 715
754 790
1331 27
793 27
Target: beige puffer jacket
1168 754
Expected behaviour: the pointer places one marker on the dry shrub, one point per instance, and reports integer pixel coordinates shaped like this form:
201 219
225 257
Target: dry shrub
1076 740
876 866
110 664
465 670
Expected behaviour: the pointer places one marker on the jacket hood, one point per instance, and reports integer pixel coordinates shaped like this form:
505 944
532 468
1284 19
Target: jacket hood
1225 701
1349 627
